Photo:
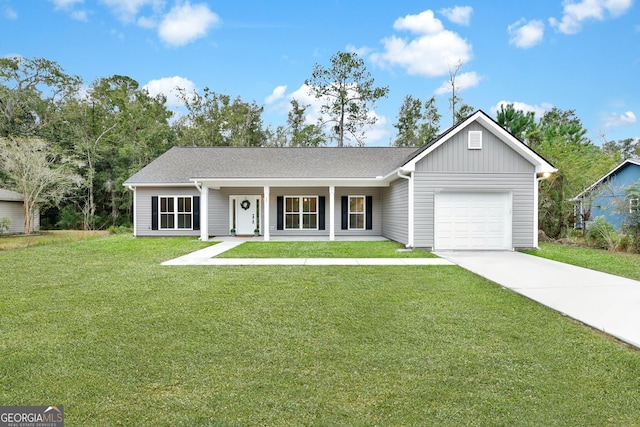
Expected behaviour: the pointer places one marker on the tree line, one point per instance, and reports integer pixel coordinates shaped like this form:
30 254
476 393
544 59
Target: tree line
68 146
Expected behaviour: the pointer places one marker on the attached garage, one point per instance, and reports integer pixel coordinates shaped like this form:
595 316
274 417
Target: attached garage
473 221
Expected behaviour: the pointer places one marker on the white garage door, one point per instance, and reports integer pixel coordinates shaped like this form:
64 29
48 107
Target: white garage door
472 221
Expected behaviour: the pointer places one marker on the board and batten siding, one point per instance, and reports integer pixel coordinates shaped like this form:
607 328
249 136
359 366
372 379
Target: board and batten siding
395 211
494 168
143 209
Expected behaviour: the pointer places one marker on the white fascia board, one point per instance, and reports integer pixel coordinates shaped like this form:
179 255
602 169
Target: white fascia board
159 184
217 183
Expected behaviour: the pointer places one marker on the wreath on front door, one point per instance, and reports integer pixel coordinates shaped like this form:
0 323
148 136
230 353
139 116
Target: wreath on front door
245 204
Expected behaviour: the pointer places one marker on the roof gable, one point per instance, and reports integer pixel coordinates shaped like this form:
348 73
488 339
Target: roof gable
541 165
634 163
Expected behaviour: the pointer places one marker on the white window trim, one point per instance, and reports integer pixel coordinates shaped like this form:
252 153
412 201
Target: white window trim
363 213
634 205
301 212
175 212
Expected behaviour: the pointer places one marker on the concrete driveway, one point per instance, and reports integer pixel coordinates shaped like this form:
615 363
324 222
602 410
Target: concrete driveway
606 302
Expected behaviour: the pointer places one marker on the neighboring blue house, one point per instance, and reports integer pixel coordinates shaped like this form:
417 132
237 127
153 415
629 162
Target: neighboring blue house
608 196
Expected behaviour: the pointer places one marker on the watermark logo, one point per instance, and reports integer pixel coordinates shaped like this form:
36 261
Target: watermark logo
31 416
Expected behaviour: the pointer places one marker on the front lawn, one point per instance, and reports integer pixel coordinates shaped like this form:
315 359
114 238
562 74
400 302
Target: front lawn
618 263
376 249
100 327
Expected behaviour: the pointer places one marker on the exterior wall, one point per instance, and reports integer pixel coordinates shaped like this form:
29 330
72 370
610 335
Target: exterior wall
143 210
14 211
219 209
324 191
395 211
612 195
496 167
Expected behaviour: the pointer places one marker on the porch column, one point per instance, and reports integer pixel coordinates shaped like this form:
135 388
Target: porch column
332 216
265 217
204 213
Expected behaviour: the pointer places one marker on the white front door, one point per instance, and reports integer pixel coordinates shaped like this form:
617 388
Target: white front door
246 214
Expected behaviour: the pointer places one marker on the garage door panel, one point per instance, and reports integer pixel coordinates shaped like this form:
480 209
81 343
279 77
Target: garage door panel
472 220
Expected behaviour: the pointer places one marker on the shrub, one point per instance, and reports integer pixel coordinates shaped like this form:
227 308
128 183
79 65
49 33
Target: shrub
602 235
4 225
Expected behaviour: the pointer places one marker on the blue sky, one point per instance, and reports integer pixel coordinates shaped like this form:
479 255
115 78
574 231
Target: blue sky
572 54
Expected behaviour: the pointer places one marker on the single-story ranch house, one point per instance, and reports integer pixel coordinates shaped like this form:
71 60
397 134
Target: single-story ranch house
474 187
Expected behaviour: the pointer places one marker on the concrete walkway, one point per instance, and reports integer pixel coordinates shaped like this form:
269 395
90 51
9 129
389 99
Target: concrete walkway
606 302
207 256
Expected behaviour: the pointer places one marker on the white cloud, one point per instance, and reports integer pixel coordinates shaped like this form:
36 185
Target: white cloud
624 119
375 135
463 81
575 13
430 53
8 12
70 6
127 10
168 87
80 15
186 23
538 110
278 93
458 14
526 34
65 4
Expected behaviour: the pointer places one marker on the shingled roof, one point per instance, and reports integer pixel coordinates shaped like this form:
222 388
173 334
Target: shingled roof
180 164
10 196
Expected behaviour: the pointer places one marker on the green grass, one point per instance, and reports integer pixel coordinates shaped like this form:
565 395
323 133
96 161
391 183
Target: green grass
376 249
14 241
618 263
100 327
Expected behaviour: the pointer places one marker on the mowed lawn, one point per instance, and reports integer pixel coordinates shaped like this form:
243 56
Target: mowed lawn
100 327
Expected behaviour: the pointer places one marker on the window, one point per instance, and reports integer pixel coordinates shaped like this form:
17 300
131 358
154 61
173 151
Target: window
176 213
634 206
301 213
356 212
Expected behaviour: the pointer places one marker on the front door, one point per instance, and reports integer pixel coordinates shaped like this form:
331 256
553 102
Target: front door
247 214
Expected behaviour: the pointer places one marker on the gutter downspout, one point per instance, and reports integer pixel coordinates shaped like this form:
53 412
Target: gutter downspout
536 203
409 178
204 211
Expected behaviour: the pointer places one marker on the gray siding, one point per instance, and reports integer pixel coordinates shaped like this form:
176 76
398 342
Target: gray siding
454 155
15 213
521 185
496 167
395 211
219 214
143 210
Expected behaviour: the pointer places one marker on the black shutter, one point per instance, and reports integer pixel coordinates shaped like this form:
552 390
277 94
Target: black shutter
345 212
154 212
369 212
321 213
196 211
280 213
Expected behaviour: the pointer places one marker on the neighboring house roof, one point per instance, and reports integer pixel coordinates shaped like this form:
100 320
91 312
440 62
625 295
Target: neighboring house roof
10 196
608 176
183 164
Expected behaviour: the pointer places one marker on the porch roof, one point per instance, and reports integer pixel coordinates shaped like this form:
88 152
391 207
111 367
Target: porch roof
183 165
